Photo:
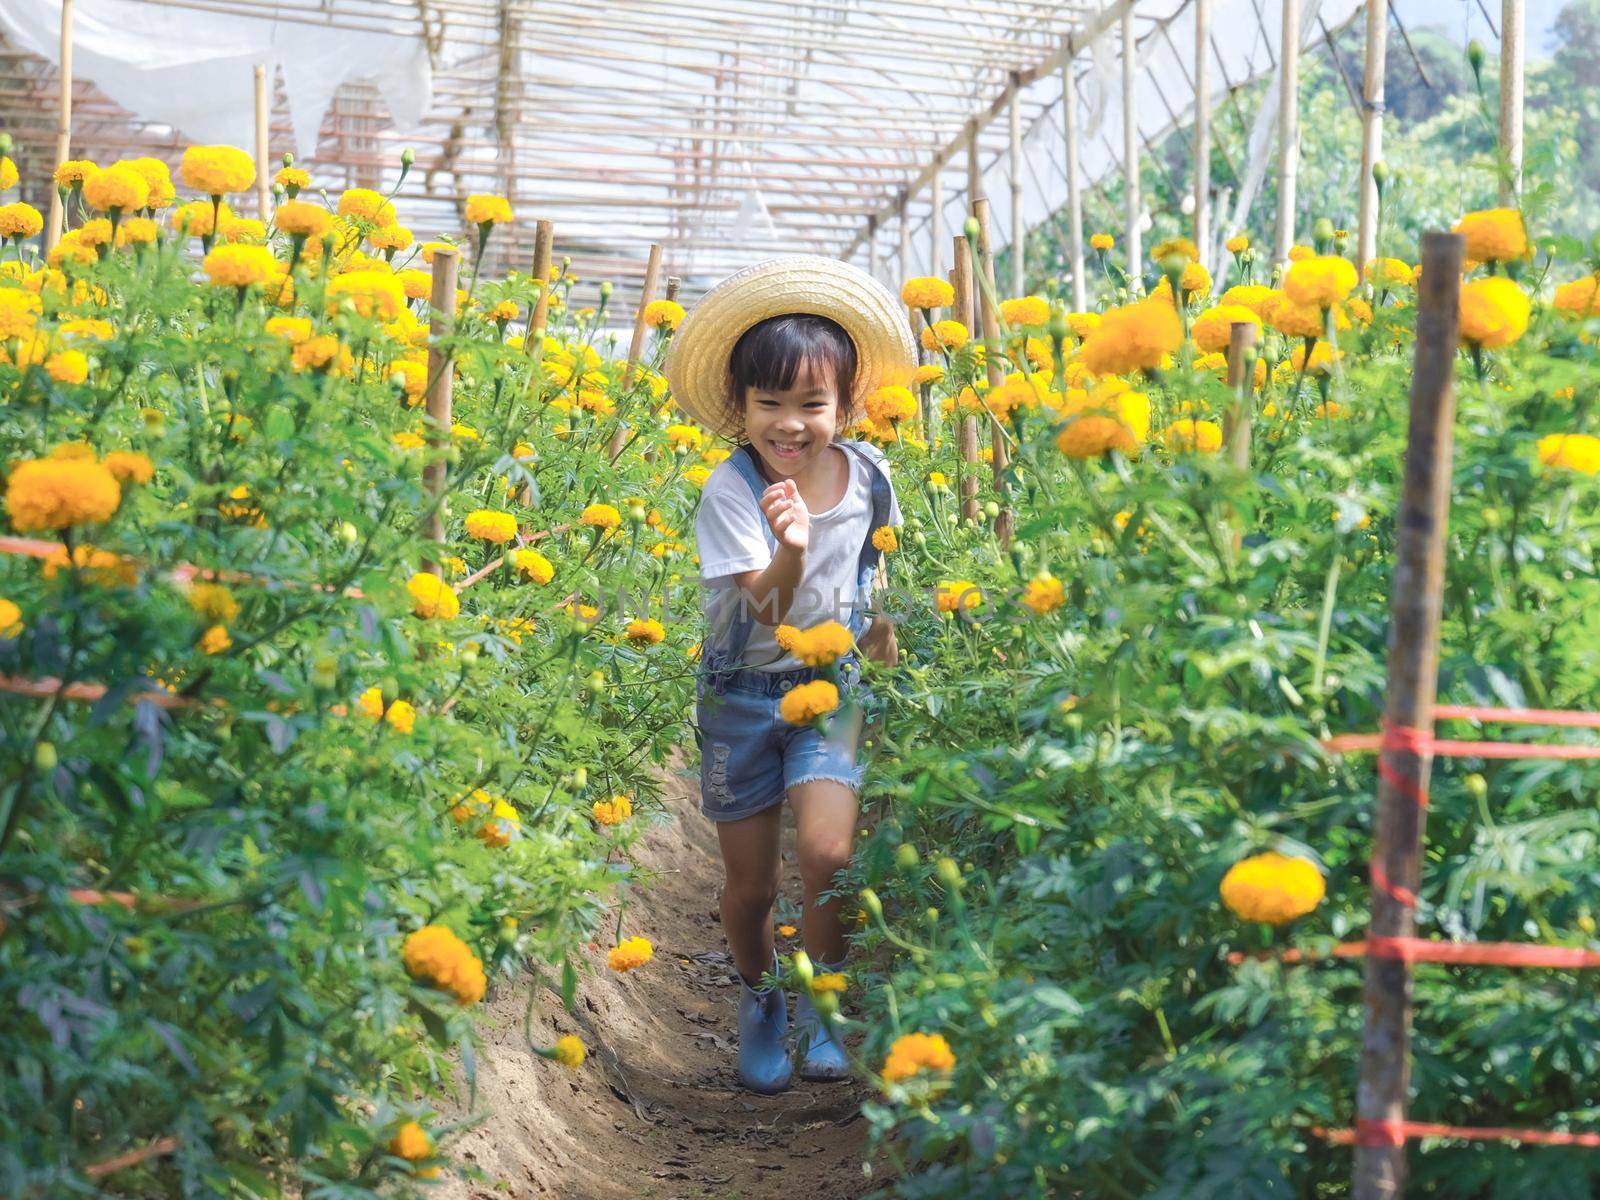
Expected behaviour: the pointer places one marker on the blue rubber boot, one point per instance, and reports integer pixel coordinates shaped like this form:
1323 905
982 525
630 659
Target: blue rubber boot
822 1058
763 1028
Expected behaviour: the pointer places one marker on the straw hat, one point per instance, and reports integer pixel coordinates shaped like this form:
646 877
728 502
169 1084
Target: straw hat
697 365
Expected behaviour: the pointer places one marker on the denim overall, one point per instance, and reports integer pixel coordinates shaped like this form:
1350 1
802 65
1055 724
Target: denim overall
749 755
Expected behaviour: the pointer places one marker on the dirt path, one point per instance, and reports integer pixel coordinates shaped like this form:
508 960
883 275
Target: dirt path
657 1113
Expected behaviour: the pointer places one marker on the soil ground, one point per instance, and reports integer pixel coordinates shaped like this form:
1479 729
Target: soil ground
657 1112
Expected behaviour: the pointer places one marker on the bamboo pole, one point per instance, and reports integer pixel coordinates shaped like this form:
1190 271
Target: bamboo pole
673 284
1288 127
1236 421
543 243
58 214
961 310
1019 230
263 166
961 282
1512 22
974 165
1202 130
999 459
872 246
1372 129
1069 119
1416 598
441 323
904 252
1130 148
936 227
641 329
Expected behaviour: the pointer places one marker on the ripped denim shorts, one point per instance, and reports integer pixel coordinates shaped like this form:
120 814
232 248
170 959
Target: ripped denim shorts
750 756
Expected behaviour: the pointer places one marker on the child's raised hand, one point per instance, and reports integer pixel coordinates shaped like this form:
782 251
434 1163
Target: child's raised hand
786 512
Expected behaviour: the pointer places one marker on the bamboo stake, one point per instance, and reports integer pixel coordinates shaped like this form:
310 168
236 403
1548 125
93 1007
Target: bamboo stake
58 214
1130 148
1372 129
961 310
974 166
441 370
904 231
1512 22
999 459
1416 598
1202 130
673 284
263 166
1019 232
543 242
1288 127
647 293
1069 115
936 228
1236 421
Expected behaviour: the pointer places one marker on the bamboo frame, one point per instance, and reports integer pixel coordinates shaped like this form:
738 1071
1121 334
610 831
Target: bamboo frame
1202 130
1288 129
1513 21
441 371
263 163
55 224
993 364
1069 121
1372 129
1133 201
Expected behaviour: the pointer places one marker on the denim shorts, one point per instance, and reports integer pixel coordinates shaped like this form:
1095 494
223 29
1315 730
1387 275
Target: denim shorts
750 756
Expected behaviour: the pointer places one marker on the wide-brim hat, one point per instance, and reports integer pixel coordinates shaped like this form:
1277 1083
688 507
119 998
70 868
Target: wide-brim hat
878 324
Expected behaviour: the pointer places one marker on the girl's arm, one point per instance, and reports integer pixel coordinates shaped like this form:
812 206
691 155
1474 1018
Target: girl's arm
879 643
771 589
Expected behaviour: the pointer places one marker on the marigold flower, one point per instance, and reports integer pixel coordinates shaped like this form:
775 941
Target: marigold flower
57 494
20 221
946 335
240 266
137 231
1187 434
429 249
72 173
19 313
1320 361
915 1053
1212 330
804 703
128 466
435 955
1571 451
647 631
67 366
831 982
1181 247
10 619
364 204
215 640
533 565
1388 274
217 170
927 291
432 596
957 594
1237 244
600 516
303 218
613 811
117 188
1494 312
317 353
890 403
1493 235
1272 888
1298 253
885 539
1025 310
491 525
505 310
502 825
488 210
292 180
817 646
787 930
630 954
1133 337
1320 281
390 238
197 219
213 601
1580 298
374 294
927 373
698 475
1107 420
686 436
570 1051
663 314
1102 241
100 567
1044 594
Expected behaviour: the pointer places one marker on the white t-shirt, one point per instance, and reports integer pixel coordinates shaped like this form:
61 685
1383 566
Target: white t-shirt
730 533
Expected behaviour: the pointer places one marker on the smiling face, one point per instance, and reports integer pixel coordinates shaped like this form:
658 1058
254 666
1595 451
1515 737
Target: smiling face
791 427
792 377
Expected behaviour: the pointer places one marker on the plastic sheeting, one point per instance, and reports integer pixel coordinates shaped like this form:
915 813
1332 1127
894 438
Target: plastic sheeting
194 70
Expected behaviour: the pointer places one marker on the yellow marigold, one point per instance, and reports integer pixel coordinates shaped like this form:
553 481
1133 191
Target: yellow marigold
915 1053
10 619
885 540
1494 235
435 955
927 291
955 594
1571 451
1104 421
240 266
817 646
1272 888
117 188
364 204
1252 296
630 954
72 173
1025 310
1133 337
215 640
1237 244
217 170
505 310
1044 593
19 313
488 210
97 566
1298 253
613 811
502 825
429 249
302 218
137 231
891 403
491 525
67 366
1494 312
600 516
58 494
1580 298
390 237
948 335
411 1142
374 294
570 1051
533 565
1320 363
1102 241
647 631
698 475
663 314
292 180
1302 320
1387 274
128 466
1320 281
196 219
1213 329
432 596
214 602
243 231
831 982
928 373
370 703
1188 434
94 233
803 704
20 221
686 436
1182 247
317 353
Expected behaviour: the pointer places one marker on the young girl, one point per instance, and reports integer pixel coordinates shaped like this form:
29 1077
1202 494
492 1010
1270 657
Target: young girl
777 358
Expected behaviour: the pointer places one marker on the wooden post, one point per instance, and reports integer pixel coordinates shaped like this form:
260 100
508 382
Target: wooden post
543 242
1202 130
1130 148
446 267
263 165
872 245
1288 127
961 310
936 228
999 458
1069 119
1413 652
1372 129
961 283
647 293
1241 378
673 284
904 266
1512 20
58 214
1019 227
974 167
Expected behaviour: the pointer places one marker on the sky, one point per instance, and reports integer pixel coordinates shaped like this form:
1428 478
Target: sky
1464 20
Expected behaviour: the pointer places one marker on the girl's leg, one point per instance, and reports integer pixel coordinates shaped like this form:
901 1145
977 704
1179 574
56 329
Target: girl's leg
750 860
825 812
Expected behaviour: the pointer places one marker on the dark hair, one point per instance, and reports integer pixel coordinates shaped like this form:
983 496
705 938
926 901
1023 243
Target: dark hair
770 355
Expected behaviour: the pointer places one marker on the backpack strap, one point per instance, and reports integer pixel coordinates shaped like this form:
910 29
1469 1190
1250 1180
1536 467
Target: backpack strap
867 561
726 655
